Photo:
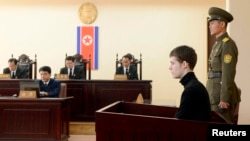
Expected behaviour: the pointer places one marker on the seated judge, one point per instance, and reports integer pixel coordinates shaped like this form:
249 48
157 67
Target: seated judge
14 71
194 103
127 68
71 69
48 87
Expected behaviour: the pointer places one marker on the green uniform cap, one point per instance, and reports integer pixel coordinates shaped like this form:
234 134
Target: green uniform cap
216 13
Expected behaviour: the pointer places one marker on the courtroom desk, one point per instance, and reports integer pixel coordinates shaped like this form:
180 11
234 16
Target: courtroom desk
11 86
43 119
91 95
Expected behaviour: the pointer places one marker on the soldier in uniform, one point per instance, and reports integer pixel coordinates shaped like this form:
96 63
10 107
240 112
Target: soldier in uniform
221 86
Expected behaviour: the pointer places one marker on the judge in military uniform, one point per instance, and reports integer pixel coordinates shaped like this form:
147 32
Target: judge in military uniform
221 85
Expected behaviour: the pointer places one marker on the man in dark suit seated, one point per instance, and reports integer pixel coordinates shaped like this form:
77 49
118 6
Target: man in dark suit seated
15 71
127 68
48 87
71 69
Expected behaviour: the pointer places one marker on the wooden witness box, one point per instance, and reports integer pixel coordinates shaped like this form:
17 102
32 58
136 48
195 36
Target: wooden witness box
128 121
39 119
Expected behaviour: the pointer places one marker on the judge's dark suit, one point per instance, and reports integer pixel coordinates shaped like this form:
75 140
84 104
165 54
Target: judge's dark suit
132 74
53 88
77 74
20 73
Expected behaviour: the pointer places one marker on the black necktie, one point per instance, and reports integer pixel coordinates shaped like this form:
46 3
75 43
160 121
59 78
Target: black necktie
45 84
13 75
127 71
70 72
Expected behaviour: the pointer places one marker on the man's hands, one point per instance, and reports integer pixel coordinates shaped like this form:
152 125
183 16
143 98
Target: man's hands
224 105
42 93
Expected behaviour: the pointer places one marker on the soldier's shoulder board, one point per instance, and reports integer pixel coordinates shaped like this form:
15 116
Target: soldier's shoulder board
225 39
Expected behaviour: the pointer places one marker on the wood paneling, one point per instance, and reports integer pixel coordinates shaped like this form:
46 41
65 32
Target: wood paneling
91 95
46 119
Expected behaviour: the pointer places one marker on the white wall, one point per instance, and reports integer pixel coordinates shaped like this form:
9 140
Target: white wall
151 27
239 31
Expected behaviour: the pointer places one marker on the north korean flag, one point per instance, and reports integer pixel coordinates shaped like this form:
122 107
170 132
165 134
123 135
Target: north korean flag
87 44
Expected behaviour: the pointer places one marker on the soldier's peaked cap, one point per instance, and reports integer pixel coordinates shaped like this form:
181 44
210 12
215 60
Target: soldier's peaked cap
216 13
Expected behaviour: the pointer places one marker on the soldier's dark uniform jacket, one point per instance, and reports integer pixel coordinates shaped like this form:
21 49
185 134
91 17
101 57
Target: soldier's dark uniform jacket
222 68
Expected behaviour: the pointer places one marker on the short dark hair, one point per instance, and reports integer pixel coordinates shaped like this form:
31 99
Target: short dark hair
70 58
185 53
45 68
129 56
13 60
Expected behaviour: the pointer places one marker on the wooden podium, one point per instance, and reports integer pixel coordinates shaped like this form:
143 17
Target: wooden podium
127 121
26 119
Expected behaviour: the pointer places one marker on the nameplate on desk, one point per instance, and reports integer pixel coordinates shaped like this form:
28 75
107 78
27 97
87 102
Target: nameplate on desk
120 77
27 94
4 76
62 76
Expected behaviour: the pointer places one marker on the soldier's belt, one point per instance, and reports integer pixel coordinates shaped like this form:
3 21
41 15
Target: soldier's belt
212 74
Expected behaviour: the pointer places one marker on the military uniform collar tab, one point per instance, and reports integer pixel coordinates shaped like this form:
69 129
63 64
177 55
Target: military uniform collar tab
222 37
